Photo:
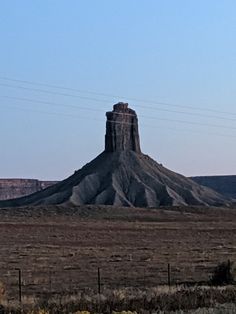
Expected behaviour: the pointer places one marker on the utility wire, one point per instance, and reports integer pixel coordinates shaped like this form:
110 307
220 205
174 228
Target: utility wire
117 122
50 103
50 92
95 99
92 109
115 96
128 114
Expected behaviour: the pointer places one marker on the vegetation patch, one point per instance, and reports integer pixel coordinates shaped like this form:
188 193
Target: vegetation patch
163 299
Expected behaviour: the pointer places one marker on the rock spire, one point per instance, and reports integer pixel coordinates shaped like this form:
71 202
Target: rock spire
123 176
122 129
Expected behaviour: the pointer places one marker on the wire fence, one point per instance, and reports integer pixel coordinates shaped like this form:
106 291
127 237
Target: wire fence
20 282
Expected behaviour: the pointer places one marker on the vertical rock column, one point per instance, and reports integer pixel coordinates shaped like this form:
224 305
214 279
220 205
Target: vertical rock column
122 129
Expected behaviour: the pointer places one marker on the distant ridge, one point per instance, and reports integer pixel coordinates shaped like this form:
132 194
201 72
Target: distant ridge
226 185
123 176
13 188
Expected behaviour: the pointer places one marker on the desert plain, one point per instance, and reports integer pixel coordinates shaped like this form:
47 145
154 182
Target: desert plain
60 248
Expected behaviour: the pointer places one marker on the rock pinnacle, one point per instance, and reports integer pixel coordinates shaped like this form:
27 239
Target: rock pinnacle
123 176
122 129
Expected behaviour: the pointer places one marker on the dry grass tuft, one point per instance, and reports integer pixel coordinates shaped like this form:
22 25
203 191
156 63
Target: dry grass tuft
179 300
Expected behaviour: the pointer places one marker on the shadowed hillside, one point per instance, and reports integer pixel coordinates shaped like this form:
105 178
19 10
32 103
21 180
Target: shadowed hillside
226 185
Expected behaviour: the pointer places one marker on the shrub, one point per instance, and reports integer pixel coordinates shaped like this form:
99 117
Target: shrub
2 296
223 274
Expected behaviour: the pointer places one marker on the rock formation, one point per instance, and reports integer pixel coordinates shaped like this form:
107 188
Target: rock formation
225 185
13 188
122 129
123 176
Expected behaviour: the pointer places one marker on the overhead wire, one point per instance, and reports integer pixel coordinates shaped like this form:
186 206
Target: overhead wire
92 109
115 121
101 100
144 116
116 96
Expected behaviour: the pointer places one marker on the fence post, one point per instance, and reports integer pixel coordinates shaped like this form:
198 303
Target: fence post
169 279
228 270
19 284
99 281
50 281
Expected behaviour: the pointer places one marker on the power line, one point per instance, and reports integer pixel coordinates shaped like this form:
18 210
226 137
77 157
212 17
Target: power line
69 115
95 99
93 109
50 103
113 96
50 92
118 122
58 87
147 117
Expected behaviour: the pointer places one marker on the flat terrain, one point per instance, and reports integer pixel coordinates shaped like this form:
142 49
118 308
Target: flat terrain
59 249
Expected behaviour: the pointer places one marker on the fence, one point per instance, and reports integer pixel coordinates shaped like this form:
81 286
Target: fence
23 282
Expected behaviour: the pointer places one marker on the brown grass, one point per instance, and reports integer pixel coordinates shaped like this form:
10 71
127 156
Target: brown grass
131 301
60 248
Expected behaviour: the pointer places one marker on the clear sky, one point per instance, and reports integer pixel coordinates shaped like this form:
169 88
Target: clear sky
147 52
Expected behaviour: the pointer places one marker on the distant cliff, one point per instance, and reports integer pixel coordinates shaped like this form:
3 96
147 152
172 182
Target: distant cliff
225 185
13 188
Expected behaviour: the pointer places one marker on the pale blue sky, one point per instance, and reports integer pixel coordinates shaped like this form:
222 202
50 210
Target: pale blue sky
178 52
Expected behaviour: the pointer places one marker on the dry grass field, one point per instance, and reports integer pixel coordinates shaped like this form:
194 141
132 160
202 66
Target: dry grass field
59 248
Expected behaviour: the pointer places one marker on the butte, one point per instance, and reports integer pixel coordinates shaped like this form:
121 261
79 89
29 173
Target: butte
122 175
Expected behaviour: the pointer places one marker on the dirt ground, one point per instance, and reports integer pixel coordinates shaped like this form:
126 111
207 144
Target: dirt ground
59 249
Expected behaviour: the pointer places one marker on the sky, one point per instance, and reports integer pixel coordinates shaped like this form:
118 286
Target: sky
63 64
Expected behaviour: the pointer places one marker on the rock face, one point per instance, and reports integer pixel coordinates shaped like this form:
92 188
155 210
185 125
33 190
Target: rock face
226 185
123 176
13 188
122 129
